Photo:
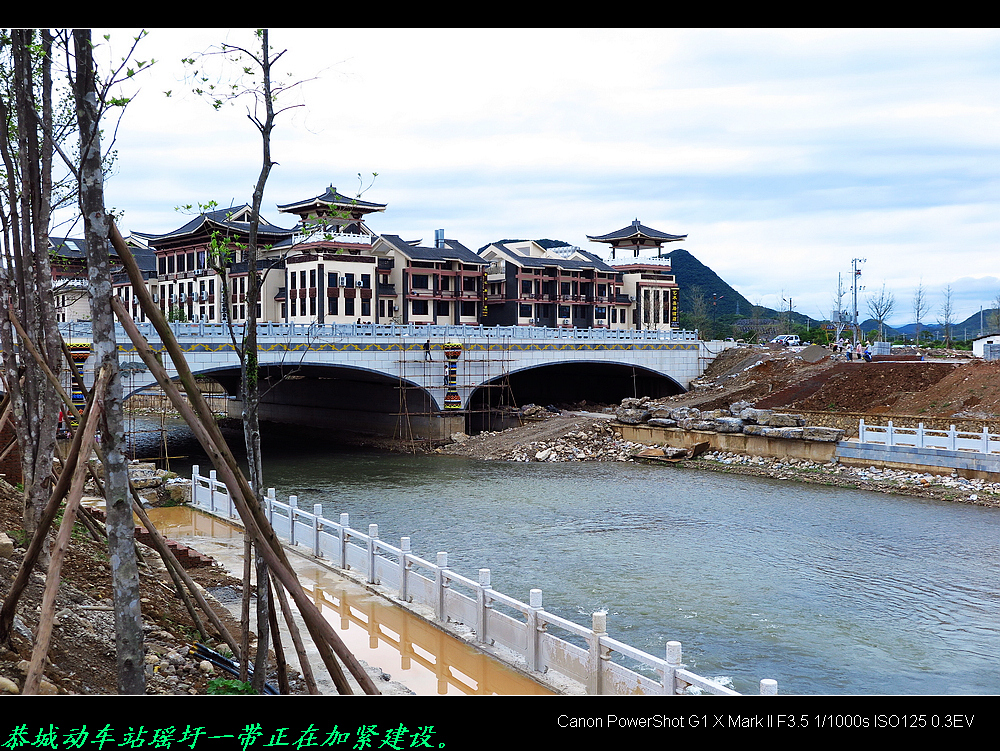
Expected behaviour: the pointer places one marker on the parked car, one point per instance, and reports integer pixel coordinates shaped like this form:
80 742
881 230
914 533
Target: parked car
787 340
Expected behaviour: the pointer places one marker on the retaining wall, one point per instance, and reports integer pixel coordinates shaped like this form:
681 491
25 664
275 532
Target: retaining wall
970 464
738 443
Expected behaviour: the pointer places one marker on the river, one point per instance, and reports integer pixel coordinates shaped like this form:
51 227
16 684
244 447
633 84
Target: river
826 590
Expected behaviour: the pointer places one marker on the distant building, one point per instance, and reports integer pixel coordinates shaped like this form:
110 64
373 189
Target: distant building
442 284
187 287
637 254
560 287
332 273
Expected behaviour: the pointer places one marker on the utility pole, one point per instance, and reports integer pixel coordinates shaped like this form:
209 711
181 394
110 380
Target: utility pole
857 273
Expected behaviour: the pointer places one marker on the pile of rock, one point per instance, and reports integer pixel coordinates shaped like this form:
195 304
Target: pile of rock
598 443
741 417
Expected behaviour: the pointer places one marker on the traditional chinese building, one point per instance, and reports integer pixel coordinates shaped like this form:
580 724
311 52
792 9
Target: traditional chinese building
332 274
562 287
185 285
442 284
637 254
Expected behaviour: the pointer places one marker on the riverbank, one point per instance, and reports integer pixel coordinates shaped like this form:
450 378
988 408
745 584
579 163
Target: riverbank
590 437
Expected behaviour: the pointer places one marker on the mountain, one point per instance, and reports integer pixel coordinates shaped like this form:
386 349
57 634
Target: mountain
691 273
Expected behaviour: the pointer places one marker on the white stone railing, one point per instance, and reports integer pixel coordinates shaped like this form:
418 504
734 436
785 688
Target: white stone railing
82 330
497 619
920 437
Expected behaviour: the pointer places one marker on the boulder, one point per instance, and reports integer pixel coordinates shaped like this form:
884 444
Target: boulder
631 416
728 425
794 433
754 429
737 407
816 433
681 413
755 416
696 423
661 422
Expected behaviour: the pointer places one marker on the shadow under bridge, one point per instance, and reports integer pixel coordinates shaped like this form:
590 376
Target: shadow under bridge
492 404
346 401
342 401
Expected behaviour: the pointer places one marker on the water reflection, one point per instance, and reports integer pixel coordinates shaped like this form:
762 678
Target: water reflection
410 650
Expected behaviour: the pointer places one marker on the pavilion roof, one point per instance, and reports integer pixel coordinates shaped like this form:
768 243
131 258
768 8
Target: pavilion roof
331 198
635 231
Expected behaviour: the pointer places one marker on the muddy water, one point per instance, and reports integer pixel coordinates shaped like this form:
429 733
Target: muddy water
408 650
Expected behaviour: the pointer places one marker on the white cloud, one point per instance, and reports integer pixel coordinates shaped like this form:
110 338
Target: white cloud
782 153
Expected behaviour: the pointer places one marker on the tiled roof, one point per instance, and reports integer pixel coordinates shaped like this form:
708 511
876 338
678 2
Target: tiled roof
572 264
635 230
454 251
233 218
332 198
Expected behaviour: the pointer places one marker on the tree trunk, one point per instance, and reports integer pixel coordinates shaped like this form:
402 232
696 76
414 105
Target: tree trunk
120 524
27 274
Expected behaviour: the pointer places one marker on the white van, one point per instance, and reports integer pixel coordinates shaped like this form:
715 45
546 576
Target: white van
787 340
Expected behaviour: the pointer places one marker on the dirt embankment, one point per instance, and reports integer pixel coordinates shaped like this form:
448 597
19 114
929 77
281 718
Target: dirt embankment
780 378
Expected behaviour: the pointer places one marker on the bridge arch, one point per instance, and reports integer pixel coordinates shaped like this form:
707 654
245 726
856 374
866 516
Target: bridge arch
568 382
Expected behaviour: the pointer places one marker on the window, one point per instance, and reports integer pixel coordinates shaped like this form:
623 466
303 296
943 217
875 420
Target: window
349 306
525 286
291 280
524 311
366 308
418 307
442 308
331 279
350 280
312 277
469 283
468 310
366 281
420 281
331 305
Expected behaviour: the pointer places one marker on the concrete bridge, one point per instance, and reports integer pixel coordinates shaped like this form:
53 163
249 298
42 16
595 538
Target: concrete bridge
387 380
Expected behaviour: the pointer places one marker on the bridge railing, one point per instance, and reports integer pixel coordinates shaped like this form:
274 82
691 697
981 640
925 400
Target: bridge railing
983 442
82 330
584 654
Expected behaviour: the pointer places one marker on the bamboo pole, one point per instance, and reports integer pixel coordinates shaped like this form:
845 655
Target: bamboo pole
304 667
255 523
44 633
183 582
165 552
254 520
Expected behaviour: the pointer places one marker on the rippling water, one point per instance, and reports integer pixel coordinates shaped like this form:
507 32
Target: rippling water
826 590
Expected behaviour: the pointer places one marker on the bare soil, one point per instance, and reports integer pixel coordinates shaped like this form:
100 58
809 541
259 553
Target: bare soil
956 386
82 657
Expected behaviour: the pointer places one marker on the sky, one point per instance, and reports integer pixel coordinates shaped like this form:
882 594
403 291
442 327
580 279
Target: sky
783 155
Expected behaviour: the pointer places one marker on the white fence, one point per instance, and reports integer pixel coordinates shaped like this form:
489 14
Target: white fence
83 330
920 437
523 628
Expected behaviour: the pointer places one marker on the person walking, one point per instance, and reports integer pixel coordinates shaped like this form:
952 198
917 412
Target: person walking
427 350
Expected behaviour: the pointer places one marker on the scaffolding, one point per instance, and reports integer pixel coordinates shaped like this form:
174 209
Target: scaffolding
481 369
